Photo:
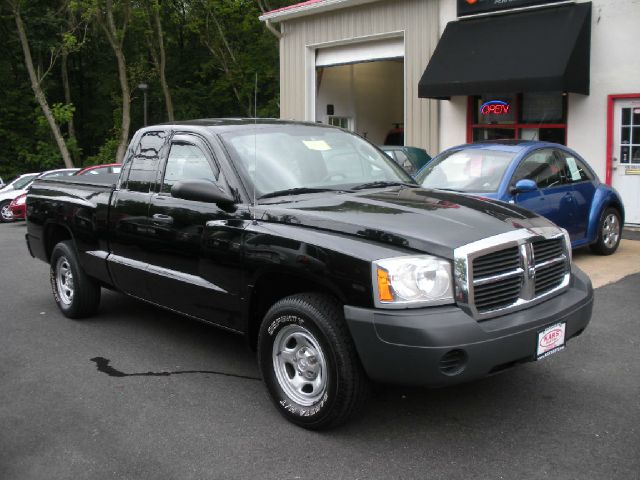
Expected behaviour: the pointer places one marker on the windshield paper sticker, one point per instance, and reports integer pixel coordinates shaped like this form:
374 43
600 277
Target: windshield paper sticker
319 145
573 169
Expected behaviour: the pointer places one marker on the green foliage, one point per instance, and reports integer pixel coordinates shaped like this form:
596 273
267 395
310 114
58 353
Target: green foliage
44 154
106 154
62 113
70 42
197 79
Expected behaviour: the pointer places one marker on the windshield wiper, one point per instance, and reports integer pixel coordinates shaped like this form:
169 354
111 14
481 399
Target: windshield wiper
297 191
381 184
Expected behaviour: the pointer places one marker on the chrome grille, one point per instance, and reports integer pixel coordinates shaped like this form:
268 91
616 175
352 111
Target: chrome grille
502 293
544 250
498 262
511 271
550 265
549 277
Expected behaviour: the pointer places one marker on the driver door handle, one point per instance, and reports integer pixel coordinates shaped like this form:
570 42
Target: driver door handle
163 219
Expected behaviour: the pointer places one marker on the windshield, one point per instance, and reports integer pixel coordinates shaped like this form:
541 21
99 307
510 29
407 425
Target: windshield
23 181
282 158
470 170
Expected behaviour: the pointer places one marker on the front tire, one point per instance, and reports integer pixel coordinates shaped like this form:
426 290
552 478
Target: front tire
5 212
76 294
309 363
609 232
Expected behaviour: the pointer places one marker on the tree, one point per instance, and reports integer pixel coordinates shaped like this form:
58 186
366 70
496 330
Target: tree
105 12
37 77
240 46
156 47
70 45
199 58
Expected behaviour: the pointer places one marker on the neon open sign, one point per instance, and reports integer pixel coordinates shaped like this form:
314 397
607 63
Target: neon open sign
495 107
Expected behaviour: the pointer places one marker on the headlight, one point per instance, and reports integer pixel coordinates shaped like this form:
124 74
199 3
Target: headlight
412 281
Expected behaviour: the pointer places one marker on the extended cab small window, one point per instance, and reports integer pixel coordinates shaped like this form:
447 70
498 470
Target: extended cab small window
141 167
187 162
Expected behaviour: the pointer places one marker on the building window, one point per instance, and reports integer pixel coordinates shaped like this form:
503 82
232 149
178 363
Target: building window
342 122
527 116
630 135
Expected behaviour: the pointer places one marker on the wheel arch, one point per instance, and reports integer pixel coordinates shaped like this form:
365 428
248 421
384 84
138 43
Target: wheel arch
603 199
270 286
53 234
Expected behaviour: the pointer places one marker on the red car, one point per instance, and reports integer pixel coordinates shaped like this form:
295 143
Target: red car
99 169
19 207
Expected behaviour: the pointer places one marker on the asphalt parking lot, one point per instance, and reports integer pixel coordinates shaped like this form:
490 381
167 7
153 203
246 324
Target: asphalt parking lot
137 392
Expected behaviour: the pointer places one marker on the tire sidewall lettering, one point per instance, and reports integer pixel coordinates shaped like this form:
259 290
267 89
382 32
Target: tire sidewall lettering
283 320
296 409
54 288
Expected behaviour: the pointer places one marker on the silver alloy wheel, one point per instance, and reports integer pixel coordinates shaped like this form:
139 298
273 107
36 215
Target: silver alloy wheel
610 230
6 213
299 365
64 280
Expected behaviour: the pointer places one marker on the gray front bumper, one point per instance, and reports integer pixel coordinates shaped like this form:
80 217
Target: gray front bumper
407 346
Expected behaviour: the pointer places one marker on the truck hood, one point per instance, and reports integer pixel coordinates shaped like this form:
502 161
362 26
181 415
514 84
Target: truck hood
430 221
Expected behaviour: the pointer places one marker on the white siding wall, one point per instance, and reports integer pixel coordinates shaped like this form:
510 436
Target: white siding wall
418 20
453 113
615 69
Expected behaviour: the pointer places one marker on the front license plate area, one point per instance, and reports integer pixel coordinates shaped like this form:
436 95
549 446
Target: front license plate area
551 340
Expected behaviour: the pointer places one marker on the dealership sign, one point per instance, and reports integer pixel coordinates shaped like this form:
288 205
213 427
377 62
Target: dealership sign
495 107
472 7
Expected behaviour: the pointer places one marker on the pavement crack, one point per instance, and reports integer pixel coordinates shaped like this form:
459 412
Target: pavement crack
103 366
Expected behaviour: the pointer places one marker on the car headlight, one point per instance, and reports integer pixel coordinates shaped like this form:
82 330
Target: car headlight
412 281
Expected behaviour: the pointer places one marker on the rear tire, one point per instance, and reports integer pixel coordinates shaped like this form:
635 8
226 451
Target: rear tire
76 294
5 212
309 363
609 232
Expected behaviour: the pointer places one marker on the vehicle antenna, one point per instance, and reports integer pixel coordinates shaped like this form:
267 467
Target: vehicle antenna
255 142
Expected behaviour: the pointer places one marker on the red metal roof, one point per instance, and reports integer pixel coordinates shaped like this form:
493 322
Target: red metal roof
296 5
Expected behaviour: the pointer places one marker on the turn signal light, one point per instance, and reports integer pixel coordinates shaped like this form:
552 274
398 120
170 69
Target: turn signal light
384 286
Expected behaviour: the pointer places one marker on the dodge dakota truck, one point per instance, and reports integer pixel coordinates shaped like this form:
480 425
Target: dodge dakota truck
309 241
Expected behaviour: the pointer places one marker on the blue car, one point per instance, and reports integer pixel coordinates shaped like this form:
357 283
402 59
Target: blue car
547 178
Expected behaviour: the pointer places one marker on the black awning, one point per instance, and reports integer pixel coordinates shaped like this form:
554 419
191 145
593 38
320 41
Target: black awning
541 50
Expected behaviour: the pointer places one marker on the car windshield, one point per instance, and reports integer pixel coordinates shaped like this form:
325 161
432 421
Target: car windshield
469 170
23 182
298 159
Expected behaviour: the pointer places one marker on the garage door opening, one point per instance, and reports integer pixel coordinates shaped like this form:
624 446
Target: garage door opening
360 87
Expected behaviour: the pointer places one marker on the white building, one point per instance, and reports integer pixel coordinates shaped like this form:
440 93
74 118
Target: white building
564 71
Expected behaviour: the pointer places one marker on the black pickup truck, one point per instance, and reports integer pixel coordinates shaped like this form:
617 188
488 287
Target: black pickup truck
312 243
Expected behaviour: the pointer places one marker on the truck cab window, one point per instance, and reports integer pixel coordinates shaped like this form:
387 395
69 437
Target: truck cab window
141 167
186 162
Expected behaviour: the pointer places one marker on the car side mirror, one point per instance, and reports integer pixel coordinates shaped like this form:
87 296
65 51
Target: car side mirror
523 186
201 191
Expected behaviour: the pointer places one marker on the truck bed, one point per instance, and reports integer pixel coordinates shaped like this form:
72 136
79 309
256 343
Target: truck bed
78 208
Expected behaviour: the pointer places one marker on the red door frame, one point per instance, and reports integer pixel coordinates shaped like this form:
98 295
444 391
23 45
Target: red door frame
611 99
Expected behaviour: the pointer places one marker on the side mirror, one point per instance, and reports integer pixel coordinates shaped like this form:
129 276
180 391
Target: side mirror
523 186
201 191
